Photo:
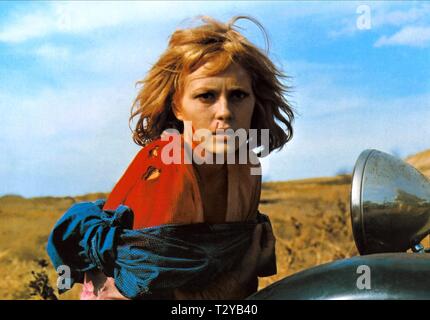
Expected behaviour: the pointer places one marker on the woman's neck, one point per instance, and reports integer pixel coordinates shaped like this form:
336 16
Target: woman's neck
214 191
208 170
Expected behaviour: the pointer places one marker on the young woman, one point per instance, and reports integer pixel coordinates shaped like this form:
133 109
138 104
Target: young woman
210 79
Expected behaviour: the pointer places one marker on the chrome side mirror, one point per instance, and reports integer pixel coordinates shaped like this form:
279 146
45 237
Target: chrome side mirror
390 204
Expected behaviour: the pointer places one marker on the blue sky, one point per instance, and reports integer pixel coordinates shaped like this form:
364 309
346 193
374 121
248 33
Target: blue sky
68 69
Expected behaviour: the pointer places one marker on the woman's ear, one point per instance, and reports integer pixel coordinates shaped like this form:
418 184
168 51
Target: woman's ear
177 113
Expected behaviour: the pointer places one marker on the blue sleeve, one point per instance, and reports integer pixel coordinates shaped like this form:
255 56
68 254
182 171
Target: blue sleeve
148 260
85 238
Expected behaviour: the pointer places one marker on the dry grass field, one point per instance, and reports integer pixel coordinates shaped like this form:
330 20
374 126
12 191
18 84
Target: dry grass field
311 223
310 218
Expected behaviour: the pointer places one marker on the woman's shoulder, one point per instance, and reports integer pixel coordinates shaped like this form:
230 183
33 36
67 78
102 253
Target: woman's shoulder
167 142
156 190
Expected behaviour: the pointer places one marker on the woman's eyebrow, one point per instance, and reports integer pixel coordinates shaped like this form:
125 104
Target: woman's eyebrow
208 88
233 88
204 88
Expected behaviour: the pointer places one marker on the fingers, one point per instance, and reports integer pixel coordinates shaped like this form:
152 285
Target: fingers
251 258
270 237
254 248
268 249
258 230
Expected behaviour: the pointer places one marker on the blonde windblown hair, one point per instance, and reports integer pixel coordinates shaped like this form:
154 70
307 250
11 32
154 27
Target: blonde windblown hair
222 44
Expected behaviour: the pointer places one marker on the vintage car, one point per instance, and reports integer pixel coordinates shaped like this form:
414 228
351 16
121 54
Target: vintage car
390 213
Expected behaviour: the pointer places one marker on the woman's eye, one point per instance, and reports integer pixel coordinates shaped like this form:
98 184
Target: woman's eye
207 96
239 95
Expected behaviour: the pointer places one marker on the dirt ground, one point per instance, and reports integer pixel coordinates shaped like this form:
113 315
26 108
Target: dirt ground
311 222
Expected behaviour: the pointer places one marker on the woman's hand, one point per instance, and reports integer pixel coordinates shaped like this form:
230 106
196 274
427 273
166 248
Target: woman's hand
240 282
259 253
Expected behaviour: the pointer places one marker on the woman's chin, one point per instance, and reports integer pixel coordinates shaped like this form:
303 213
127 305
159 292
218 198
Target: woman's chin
221 147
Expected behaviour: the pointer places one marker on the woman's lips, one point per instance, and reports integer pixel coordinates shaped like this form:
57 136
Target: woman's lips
223 136
226 130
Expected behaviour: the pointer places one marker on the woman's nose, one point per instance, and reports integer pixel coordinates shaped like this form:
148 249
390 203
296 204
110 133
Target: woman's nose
223 110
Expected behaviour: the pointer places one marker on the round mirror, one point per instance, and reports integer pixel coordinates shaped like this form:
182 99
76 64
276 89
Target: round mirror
390 204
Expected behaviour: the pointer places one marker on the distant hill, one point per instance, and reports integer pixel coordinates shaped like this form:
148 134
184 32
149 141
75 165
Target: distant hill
421 161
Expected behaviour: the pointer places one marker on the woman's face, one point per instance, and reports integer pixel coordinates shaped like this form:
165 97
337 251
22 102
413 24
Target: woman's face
222 101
